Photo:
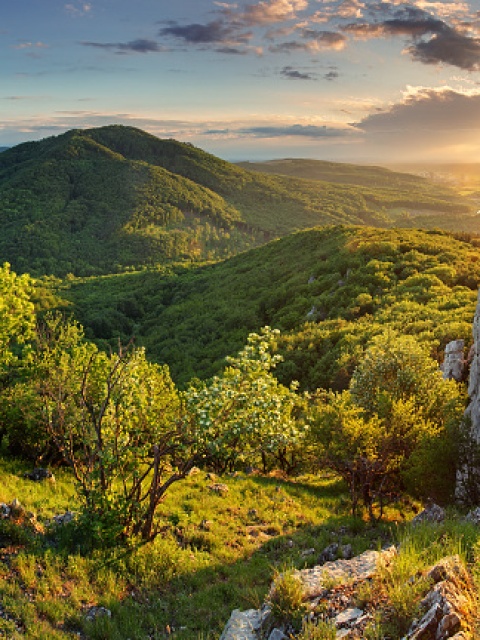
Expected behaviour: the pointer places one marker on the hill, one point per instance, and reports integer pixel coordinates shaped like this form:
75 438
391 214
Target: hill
328 289
115 198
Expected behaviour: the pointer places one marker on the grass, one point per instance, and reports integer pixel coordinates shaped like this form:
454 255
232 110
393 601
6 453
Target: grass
215 553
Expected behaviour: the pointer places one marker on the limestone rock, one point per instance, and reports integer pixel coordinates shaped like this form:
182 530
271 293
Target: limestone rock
277 634
218 488
473 516
39 474
97 612
243 625
453 366
432 513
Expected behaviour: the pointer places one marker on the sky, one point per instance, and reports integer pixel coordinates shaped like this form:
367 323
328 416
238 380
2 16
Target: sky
343 80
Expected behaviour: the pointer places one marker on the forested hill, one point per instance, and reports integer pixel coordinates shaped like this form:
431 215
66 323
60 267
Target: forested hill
115 198
329 290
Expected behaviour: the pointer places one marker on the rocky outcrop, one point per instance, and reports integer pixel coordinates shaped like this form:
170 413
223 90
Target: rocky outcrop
453 366
468 476
331 595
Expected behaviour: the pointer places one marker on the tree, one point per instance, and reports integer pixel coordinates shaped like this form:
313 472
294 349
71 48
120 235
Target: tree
116 421
395 425
17 317
246 413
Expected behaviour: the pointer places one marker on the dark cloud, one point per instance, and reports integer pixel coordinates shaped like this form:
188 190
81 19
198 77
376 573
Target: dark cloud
215 32
432 41
135 46
428 113
295 74
451 48
331 75
312 41
305 131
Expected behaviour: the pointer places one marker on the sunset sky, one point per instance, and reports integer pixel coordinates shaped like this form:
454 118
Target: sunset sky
347 80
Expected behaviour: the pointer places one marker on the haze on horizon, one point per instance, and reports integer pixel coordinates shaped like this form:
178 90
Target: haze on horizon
346 80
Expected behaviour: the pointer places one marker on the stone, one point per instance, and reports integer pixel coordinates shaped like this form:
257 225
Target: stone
5 511
426 628
329 554
346 551
218 488
64 518
307 552
448 626
469 475
97 612
39 474
473 516
243 625
348 616
453 366
277 634
432 513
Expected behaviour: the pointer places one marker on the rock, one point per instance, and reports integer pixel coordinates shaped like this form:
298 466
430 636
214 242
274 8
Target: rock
453 366
307 552
346 551
97 612
448 626
329 554
426 628
205 525
218 488
432 513
5 511
348 616
16 508
64 518
39 474
277 634
194 471
468 476
473 516
243 625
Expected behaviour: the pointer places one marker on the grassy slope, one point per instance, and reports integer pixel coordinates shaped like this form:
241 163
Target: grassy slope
355 281
214 554
103 200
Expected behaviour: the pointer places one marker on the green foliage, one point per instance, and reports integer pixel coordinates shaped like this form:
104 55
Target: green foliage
397 422
328 290
115 420
245 413
286 599
17 318
116 198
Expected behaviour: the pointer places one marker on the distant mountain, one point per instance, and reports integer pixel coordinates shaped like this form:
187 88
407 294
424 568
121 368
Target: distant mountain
339 172
3 149
105 200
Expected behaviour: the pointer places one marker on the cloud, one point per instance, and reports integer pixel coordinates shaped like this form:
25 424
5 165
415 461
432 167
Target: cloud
434 122
449 47
331 75
214 32
134 46
31 45
78 9
313 42
432 40
298 130
270 12
295 74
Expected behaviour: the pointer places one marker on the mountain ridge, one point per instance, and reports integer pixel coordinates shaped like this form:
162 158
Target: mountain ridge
115 198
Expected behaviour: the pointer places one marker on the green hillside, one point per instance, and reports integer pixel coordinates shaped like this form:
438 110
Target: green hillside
111 199
328 289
